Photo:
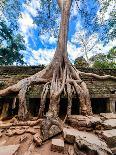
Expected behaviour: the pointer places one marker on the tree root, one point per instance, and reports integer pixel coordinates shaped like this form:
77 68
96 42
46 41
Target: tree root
59 78
105 77
28 123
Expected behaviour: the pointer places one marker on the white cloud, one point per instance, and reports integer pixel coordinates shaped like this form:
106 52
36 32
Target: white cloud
48 38
73 51
41 56
32 7
26 22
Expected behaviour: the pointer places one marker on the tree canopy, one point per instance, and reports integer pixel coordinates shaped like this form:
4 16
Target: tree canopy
105 60
10 45
11 41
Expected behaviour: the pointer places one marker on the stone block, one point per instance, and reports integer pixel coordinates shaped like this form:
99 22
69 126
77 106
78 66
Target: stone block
110 137
108 115
69 135
82 139
109 124
57 145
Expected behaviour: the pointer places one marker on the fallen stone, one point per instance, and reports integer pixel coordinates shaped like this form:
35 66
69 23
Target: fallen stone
83 123
110 137
89 140
37 139
109 124
95 119
78 121
57 145
108 115
9 149
69 135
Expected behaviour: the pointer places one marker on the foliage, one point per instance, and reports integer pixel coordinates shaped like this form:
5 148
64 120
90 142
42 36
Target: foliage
81 62
47 18
107 18
10 45
105 60
10 12
11 41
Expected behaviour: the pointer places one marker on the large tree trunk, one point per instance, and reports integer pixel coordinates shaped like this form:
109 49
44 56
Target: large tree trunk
60 76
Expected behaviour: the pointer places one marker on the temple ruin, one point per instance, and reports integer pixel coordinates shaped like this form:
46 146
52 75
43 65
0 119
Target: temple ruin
102 93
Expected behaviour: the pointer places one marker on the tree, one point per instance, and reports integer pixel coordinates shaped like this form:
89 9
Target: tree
105 60
88 43
107 19
58 76
10 45
11 41
81 62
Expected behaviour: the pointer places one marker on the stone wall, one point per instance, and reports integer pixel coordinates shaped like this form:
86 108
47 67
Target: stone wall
98 88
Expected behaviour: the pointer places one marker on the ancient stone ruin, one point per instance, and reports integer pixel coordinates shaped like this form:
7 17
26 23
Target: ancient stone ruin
70 133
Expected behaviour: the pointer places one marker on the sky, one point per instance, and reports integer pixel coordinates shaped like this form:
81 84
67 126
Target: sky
41 47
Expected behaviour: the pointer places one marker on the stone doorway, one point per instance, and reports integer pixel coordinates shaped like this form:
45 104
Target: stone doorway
34 106
99 105
75 106
7 109
63 107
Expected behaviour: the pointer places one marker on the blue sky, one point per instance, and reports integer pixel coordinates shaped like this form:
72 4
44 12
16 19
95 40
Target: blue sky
41 48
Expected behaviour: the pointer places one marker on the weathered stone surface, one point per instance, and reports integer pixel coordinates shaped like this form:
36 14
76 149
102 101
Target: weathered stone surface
8 150
37 139
108 115
110 137
89 140
83 147
84 123
97 88
109 124
50 127
69 135
57 145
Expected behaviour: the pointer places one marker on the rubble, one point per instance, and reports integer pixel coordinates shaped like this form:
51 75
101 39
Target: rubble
57 145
